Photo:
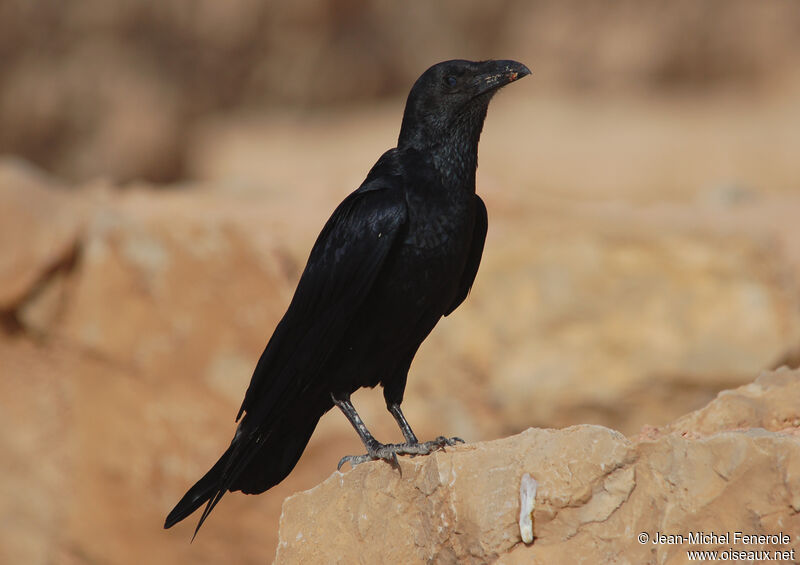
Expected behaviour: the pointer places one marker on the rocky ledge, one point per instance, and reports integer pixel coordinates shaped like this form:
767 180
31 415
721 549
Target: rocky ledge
586 494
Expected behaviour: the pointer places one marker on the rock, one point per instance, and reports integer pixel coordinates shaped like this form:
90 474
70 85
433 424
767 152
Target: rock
620 316
597 493
461 506
197 291
36 451
770 402
660 313
39 228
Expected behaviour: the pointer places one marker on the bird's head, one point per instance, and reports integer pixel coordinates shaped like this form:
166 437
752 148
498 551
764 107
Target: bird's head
450 99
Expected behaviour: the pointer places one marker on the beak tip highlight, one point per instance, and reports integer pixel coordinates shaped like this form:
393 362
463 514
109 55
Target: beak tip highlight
515 70
520 72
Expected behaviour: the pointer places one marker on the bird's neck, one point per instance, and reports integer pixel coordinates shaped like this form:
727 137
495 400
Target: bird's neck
453 153
456 160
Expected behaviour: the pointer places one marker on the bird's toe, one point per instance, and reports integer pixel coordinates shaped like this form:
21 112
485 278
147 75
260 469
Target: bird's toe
388 454
354 460
449 441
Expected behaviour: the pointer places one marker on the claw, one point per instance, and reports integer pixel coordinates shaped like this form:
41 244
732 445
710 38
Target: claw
389 452
451 441
392 460
353 460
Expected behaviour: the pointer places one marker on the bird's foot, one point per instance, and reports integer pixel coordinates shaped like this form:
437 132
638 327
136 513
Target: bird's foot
389 451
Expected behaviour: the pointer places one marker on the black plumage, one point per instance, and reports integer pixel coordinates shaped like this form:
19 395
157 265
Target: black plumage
396 255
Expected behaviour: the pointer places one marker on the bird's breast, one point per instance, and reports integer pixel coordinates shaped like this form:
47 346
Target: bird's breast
440 223
434 250
436 236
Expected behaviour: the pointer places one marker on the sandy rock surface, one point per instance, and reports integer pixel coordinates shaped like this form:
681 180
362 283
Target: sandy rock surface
715 470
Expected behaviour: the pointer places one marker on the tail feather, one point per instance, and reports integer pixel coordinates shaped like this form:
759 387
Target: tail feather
252 463
273 461
201 492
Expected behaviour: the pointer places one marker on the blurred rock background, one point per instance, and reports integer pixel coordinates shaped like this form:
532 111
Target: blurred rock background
157 205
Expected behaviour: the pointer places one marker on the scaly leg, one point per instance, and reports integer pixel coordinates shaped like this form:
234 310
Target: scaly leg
412 446
394 408
387 452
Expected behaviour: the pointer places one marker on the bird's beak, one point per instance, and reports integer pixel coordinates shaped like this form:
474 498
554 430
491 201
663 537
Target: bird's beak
500 73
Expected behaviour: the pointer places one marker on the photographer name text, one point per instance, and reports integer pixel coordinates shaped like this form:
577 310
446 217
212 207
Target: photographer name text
715 538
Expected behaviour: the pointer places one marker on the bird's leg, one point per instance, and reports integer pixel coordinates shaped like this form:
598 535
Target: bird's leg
375 449
394 408
388 452
412 446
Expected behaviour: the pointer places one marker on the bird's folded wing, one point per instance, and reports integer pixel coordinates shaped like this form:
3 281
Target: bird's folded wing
342 267
475 254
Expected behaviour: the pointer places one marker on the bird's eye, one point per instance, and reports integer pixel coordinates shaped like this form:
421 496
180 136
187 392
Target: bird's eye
451 81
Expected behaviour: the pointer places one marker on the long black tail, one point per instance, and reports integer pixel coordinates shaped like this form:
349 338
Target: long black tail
200 493
255 461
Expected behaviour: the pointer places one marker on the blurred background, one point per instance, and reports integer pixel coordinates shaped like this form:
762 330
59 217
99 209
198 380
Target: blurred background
165 167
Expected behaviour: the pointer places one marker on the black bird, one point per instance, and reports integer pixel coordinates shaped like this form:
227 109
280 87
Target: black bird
396 255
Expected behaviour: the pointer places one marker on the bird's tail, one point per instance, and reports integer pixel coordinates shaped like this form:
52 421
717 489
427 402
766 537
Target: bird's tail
253 463
201 493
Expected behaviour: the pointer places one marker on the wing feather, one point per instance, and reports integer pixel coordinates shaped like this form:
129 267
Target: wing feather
342 267
475 253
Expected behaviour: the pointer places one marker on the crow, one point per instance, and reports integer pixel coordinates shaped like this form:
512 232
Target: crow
396 255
